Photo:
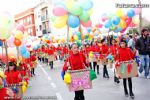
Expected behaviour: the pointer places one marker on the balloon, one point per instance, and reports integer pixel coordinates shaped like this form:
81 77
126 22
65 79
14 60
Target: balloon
123 17
136 20
84 17
137 11
59 11
132 25
123 30
99 25
76 10
119 12
73 21
90 12
122 24
108 24
128 21
18 34
6 22
26 55
5 36
86 4
113 27
17 42
89 30
88 24
79 43
130 13
9 41
21 28
24 88
61 21
69 3
76 37
1 43
104 30
22 49
115 20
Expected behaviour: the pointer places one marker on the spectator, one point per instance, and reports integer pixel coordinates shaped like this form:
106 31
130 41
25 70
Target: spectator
131 42
143 46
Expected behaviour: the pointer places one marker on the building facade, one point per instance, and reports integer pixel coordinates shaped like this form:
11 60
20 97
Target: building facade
42 17
26 18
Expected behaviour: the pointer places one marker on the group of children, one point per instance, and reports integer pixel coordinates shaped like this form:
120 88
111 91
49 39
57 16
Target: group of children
14 74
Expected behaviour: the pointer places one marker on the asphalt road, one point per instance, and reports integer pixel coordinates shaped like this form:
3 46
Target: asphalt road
48 85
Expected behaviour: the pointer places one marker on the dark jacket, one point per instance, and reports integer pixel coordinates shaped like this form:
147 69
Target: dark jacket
143 45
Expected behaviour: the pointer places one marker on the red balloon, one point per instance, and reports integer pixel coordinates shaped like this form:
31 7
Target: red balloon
128 21
87 24
17 42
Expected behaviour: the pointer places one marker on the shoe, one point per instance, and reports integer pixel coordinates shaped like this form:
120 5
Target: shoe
132 95
148 77
126 94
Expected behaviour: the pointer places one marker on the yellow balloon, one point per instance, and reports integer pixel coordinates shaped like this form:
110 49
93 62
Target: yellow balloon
24 88
5 36
18 34
90 12
122 24
76 37
119 12
69 3
136 20
60 22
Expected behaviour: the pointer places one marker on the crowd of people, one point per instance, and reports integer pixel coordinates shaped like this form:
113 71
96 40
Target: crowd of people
91 54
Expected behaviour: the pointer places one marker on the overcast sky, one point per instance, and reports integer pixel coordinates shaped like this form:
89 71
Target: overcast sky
100 7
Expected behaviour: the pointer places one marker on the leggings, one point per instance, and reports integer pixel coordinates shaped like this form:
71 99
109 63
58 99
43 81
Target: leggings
79 95
129 84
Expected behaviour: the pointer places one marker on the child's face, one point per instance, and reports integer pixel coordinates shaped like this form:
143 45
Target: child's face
123 45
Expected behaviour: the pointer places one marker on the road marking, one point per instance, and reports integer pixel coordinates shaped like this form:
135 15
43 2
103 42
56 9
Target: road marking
49 78
53 85
59 97
44 70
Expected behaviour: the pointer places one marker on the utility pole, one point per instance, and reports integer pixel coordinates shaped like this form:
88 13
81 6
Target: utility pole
140 18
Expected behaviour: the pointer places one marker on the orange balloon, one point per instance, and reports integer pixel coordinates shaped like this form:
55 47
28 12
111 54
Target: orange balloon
123 17
17 42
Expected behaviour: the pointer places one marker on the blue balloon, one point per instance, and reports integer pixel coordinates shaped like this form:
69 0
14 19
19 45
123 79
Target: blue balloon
89 30
86 4
22 49
1 43
115 20
130 13
35 47
73 21
26 55
108 24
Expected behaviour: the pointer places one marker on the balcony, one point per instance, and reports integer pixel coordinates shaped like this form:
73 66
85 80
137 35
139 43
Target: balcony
44 18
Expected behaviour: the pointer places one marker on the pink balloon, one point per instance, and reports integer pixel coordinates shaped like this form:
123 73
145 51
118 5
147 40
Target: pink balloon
132 25
10 41
123 30
104 19
59 11
128 21
137 10
87 24
21 28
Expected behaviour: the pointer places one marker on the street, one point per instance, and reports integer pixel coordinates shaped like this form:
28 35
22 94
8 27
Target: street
48 84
